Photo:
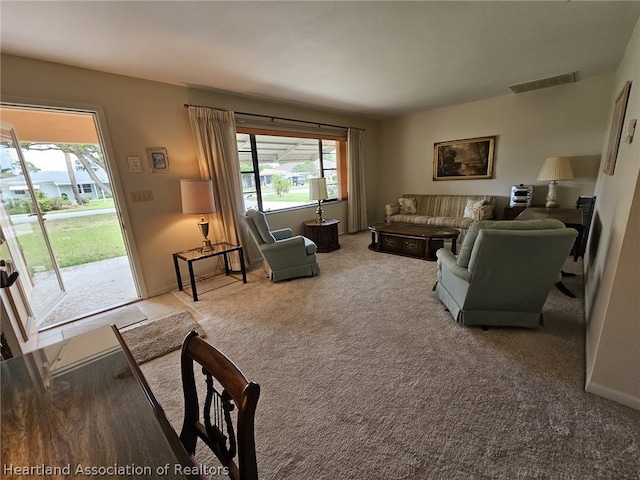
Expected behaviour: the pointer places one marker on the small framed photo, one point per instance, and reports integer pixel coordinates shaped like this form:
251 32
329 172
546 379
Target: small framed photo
468 159
158 159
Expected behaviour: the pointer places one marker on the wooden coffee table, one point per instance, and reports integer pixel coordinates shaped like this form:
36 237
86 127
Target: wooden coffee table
419 241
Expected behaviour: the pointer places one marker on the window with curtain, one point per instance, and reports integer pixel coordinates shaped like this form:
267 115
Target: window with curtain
275 168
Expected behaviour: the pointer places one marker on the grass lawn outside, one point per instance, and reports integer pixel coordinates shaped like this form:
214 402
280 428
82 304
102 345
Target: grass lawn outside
75 241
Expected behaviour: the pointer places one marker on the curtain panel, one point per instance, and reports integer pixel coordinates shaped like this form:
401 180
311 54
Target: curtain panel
357 206
214 133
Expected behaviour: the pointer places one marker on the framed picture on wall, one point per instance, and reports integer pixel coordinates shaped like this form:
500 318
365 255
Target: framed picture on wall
468 159
158 159
619 111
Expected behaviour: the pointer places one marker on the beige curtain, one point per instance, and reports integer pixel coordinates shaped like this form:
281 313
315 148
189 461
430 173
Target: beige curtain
357 207
214 133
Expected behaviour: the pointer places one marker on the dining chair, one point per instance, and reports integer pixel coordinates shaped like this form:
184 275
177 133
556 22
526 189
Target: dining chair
227 389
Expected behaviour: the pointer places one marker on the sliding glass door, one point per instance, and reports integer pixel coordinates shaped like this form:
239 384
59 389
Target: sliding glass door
25 246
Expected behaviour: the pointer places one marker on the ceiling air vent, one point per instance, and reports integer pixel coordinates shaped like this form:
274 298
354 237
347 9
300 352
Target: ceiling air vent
544 83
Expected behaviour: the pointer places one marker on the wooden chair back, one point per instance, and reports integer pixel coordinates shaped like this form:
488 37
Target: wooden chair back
227 390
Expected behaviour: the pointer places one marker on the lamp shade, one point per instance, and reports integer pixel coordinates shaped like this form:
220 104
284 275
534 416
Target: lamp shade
318 189
556 168
197 196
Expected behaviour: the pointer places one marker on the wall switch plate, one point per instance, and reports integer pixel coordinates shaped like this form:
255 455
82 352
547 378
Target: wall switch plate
135 166
142 196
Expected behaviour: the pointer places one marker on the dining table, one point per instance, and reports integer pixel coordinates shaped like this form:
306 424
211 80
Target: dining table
81 408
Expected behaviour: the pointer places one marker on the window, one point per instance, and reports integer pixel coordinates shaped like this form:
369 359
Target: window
84 188
275 168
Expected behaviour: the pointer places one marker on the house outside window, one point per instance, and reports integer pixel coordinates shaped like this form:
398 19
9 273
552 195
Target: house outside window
275 168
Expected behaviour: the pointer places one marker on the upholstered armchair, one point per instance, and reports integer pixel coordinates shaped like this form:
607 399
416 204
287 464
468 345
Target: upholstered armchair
504 271
285 255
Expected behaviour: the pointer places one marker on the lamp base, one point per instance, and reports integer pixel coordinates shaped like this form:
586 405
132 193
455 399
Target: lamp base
319 212
206 245
204 230
552 200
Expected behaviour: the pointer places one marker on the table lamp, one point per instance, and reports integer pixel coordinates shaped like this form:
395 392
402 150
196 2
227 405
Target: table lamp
318 191
554 169
197 198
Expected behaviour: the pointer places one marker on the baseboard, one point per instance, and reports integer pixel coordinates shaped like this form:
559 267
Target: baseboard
616 396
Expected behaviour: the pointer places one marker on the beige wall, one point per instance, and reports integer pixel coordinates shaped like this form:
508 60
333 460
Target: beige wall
612 262
566 120
142 114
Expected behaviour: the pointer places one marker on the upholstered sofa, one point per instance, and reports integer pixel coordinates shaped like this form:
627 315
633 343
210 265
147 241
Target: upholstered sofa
504 271
454 211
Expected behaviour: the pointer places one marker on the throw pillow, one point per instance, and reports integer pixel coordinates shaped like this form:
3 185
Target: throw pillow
473 209
407 205
260 221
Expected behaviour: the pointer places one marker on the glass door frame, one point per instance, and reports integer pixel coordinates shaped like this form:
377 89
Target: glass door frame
27 286
111 168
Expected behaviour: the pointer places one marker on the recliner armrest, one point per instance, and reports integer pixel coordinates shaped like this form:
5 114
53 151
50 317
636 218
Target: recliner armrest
282 233
285 253
291 242
447 261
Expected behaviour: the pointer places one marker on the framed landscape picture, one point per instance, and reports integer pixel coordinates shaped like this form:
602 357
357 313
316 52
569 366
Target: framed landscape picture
616 129
468 159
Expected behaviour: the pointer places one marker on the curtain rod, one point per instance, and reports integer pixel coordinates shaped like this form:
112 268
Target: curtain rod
186 105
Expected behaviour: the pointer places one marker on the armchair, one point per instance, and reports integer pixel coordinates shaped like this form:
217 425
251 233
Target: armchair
504 271
285 255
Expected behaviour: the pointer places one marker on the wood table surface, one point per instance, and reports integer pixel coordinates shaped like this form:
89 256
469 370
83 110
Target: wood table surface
82 409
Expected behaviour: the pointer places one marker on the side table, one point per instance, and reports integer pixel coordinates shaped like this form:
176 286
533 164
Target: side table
195 254
324 235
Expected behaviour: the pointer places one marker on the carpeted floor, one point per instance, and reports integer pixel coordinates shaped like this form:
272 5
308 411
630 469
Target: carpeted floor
365 375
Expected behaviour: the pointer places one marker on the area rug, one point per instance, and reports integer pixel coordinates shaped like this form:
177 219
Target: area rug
121 319
154 339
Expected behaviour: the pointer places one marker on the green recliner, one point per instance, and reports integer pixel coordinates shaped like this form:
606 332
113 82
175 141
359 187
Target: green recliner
285 255
504 271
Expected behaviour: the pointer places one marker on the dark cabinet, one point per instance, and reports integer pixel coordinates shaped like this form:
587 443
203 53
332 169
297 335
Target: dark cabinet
324 235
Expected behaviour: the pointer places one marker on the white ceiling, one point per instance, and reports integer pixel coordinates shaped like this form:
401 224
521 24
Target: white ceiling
377 59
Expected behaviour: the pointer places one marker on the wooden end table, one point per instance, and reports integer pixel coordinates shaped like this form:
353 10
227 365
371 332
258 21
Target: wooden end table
419 241
324 235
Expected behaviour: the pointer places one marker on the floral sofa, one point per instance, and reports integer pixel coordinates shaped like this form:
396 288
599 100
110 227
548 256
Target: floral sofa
454 211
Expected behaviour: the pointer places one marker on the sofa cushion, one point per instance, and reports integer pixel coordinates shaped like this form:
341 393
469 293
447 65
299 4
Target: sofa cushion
260 222
450 222
445 205
407 205
409 218
472 233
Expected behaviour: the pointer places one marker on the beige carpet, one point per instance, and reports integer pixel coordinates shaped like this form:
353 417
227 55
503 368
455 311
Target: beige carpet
365 375
159 337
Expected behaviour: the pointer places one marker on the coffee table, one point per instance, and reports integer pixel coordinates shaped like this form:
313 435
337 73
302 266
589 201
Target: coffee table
419 241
